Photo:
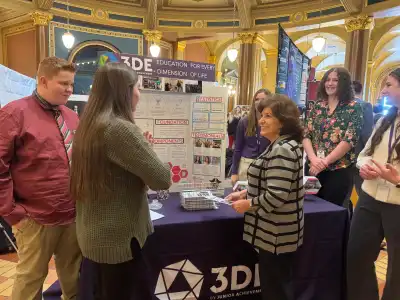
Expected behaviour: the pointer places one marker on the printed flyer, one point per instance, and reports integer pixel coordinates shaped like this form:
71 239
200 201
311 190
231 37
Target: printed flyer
209 119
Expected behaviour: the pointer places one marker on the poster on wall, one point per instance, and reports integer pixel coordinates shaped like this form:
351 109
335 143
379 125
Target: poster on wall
293 70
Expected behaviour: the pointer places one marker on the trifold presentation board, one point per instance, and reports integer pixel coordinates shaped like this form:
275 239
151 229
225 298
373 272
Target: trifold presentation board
188 130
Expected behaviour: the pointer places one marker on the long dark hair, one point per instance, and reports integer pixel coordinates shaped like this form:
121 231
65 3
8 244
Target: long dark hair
110 97
252 118
345 91
387 121
287 112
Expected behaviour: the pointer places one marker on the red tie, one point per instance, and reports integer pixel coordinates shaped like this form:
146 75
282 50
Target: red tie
65 132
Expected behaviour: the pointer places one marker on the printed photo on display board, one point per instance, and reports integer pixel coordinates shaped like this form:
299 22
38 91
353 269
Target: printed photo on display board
207 156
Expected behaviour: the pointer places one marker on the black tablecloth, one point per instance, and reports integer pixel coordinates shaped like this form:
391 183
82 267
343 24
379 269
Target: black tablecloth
215 263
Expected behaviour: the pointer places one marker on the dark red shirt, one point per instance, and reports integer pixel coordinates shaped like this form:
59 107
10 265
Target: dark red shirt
34 167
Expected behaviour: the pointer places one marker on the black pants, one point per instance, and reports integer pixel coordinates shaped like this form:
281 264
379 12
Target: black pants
124 281
335 185
276 275
372 221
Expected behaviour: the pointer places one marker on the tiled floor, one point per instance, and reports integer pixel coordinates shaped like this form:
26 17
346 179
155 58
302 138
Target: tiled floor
8 263
381 268
7 271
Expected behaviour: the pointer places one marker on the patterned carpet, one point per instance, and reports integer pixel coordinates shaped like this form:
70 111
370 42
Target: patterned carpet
8 263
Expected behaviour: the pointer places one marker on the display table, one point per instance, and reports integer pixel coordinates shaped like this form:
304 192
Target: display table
201 255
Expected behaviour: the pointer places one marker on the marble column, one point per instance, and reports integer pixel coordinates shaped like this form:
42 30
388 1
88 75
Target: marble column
247 64
212 59
271 69
264 74
367 86
41 20
179 50
359 30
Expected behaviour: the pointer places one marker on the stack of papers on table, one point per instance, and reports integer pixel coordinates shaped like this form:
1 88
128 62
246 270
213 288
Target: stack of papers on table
155 216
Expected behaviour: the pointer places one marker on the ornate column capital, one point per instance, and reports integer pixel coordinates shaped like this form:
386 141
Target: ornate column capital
212 59
181 46
43 4
361 22
152 36
41 18
247 37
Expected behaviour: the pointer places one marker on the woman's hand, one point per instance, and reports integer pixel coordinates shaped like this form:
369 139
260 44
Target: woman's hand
317 165
368 172
234 179
387 172
235 196
241 206
149 137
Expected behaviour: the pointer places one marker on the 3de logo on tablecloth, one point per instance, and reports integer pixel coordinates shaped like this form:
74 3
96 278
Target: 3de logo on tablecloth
224 286
167 276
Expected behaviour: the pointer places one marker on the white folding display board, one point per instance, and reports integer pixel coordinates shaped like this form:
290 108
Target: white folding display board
14 85
189 131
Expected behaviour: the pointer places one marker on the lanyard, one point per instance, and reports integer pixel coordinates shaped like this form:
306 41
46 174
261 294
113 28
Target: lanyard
391 147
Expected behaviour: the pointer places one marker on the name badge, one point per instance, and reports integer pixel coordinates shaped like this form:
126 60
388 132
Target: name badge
321 154
382 192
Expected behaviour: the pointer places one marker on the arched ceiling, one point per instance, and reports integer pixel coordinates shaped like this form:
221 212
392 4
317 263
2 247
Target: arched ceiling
332 55
387 51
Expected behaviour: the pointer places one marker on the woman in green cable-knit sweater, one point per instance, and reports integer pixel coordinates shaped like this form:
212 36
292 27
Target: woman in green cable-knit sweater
113 165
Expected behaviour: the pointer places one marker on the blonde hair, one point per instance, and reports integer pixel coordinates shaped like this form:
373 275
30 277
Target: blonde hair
51 66
252 123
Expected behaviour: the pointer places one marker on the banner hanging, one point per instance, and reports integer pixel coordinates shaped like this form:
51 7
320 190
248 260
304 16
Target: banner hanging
161 67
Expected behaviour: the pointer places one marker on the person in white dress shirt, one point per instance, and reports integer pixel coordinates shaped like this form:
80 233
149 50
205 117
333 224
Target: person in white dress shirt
377 214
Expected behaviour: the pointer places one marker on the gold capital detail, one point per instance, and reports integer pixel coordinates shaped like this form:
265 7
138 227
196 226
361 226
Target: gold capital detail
212 59
247 37
181 46
152 36
361 22
41 18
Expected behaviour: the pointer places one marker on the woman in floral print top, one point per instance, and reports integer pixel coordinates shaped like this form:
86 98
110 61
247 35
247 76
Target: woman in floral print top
332 131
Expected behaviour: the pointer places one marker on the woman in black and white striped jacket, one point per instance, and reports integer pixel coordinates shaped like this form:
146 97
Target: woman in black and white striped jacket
273 202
